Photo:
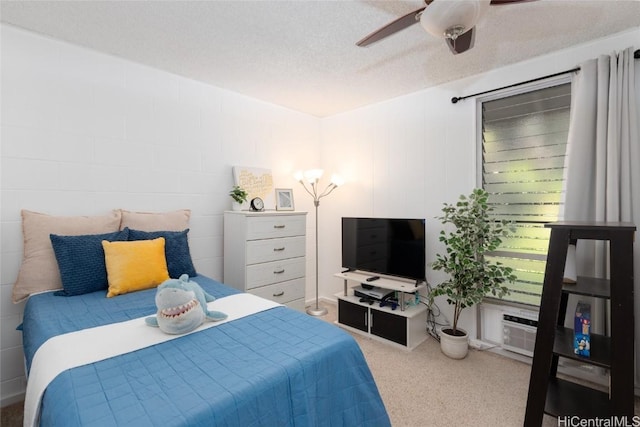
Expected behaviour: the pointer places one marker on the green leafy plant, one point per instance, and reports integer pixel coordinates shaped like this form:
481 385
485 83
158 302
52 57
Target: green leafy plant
238 194
471 275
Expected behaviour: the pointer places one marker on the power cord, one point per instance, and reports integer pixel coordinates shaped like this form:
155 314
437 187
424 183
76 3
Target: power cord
433 313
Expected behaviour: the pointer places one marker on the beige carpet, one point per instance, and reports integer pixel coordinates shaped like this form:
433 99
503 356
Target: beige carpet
423 387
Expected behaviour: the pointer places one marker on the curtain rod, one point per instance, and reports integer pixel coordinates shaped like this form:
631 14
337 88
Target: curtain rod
455 99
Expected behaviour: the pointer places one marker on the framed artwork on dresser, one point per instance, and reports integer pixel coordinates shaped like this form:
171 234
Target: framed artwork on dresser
284 199
258 182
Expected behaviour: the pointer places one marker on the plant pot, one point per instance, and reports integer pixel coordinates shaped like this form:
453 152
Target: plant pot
236 206
454 346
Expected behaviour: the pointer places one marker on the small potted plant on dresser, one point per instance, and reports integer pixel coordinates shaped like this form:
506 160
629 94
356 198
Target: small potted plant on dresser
471 275
239 196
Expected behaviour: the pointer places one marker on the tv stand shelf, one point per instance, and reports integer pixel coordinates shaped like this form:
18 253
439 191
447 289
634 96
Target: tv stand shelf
401 285
404 327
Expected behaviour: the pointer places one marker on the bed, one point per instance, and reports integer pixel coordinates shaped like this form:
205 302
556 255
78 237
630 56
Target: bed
278 367
83 282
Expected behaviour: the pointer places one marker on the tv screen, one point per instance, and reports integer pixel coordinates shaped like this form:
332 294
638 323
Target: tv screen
390 246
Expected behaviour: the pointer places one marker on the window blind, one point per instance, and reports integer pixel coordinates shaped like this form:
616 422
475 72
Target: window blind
524 141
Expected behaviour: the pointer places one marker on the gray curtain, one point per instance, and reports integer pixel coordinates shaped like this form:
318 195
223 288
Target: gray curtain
603 163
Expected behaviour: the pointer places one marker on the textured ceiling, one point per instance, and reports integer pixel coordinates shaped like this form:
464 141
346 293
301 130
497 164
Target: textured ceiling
302 54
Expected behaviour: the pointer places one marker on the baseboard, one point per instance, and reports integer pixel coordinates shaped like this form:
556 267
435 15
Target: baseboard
497 349
10 400
329 300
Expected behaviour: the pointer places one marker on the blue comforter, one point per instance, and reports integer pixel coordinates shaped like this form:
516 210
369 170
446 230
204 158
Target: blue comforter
275 368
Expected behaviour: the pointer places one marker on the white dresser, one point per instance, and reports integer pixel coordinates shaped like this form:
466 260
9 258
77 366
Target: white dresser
264 254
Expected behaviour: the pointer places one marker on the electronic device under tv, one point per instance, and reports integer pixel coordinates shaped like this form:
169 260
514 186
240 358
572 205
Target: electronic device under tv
388 246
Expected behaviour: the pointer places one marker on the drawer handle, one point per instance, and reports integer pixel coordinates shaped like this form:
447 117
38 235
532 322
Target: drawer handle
278 249
279 271
279 294
279 226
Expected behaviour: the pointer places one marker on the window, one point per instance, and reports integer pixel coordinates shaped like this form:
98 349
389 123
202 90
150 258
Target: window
524 139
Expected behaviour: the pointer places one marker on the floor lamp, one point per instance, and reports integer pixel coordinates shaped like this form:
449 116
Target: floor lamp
313 177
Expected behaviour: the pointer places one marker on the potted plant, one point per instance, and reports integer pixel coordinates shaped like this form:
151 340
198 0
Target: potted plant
471 275
239 196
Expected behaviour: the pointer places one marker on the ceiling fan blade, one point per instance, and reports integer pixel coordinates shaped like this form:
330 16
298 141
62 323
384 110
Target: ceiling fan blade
503 2
395 26
463 43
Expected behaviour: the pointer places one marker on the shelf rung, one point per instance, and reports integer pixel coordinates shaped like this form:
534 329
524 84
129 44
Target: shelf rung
566 398
600 348
589 286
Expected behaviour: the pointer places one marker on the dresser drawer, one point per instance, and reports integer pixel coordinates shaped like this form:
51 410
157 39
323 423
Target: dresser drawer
271 227
274 272
263 249
283 292
274 249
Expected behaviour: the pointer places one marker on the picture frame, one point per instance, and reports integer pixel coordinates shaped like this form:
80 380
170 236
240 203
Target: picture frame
284 199
258 182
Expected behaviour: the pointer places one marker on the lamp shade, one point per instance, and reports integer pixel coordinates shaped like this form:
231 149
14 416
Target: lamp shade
312 175
441 17
337 180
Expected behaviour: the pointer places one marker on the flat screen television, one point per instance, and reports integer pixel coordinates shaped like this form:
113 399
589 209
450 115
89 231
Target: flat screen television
389 246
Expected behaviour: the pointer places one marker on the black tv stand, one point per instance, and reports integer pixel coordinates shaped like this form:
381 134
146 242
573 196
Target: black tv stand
380 319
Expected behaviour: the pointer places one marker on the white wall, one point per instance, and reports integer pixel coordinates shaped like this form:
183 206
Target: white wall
407 156
83 133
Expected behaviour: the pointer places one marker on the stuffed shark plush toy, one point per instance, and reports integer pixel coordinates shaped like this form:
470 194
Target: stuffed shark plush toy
182 307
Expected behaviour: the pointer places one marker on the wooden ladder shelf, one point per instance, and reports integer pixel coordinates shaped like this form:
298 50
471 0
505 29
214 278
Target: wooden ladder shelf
555 396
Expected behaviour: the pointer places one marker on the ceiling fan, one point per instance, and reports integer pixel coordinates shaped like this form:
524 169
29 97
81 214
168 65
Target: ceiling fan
453 20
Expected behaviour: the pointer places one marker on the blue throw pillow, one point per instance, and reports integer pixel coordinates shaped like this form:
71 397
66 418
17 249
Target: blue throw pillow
81 261
176 250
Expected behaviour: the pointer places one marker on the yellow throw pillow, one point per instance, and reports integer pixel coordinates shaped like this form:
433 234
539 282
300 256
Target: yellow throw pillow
133 266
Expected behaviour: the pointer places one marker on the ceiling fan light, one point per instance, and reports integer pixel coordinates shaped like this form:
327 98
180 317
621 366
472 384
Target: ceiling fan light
442 16
455 31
